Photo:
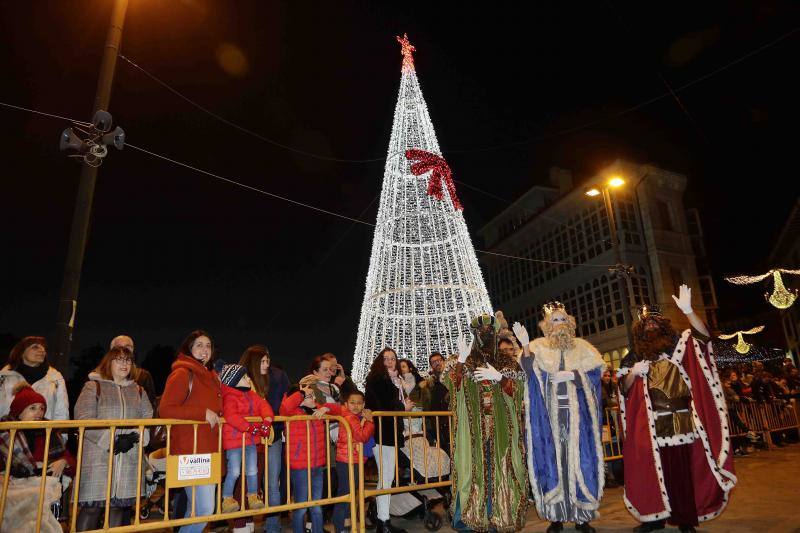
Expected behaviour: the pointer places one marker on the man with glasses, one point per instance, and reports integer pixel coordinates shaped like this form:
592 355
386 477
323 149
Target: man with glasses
439 400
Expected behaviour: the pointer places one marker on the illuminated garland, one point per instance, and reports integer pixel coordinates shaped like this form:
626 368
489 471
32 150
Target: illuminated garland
726 355
780 297
424 284
741 346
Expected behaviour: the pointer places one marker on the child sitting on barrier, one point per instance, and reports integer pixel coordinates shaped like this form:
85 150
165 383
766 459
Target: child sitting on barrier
240 401
27 457
307 443
362 428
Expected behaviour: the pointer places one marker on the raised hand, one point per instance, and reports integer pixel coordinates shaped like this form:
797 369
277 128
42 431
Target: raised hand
521 334
684 300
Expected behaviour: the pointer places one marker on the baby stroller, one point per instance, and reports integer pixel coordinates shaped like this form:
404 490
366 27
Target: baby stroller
420 504
155 476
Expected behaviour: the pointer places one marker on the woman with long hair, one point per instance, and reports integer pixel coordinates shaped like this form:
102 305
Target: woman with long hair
192 392
271 383
384 392
111 393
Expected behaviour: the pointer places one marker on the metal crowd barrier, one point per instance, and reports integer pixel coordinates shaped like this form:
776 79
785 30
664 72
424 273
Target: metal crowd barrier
415 485
166 522
612 434
765 417
760 417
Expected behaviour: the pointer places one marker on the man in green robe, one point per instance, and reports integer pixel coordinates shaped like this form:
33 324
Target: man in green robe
487 388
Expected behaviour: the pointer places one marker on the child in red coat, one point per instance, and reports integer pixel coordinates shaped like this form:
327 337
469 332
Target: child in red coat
238 402
302 443
362 428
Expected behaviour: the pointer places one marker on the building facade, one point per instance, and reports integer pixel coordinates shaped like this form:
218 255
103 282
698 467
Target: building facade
561 244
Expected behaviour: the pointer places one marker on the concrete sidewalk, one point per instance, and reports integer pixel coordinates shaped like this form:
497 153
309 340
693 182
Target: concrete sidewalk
766 499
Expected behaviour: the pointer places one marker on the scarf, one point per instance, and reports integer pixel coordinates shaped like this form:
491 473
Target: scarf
397 381
409 383
23 464
32 374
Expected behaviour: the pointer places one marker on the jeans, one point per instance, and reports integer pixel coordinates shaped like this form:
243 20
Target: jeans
203 506
300 493
234 470
386 475
275 457
341 510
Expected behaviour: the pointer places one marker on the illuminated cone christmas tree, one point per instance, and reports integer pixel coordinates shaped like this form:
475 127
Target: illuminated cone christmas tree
424 284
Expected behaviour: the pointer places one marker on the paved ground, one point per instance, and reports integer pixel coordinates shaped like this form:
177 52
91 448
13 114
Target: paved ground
766 499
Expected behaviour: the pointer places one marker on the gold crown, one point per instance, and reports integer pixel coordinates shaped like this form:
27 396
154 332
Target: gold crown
647 310
551 307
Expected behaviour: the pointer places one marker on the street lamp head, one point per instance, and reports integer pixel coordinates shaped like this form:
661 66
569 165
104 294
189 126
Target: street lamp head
616 181
594 191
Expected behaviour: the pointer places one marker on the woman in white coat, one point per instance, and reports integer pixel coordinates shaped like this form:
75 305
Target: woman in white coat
28 362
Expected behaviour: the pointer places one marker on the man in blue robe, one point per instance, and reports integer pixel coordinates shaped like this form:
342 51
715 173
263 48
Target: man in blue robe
565 456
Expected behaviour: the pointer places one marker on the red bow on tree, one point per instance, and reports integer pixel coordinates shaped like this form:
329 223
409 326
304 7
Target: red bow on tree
440 172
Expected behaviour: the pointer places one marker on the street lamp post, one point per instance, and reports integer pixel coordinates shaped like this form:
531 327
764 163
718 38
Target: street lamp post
68 301
620 270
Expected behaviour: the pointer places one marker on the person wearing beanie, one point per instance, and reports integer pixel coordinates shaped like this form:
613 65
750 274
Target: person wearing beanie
27 453
27 362
240 401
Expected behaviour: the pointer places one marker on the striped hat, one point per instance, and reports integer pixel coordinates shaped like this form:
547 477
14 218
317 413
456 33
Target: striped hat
230 375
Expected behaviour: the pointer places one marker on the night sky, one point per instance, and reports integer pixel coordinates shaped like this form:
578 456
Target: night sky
511 90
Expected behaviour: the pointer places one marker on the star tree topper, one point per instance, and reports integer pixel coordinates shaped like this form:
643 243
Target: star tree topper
407 49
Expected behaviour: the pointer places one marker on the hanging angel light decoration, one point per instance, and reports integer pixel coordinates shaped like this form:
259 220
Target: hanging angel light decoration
781 297
741 346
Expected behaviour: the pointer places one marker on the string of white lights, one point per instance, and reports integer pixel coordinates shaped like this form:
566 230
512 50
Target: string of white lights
749 280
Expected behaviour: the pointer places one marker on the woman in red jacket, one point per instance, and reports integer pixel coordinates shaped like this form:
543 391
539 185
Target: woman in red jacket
300 401
193 392
362 428
239 401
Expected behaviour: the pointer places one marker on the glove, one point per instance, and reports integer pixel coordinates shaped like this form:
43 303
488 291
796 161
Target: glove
489 373
684 301
521 334
123 443
254 430
641 368
563 375
463 348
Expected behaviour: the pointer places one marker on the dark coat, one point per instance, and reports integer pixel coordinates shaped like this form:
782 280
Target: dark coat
382 395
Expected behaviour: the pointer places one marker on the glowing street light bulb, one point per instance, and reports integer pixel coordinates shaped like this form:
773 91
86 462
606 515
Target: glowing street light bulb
594 191
616 181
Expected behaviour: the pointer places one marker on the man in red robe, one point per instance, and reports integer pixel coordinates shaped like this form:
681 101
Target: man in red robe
678 460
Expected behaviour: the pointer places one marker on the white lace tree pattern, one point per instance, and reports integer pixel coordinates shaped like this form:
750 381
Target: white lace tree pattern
424 284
